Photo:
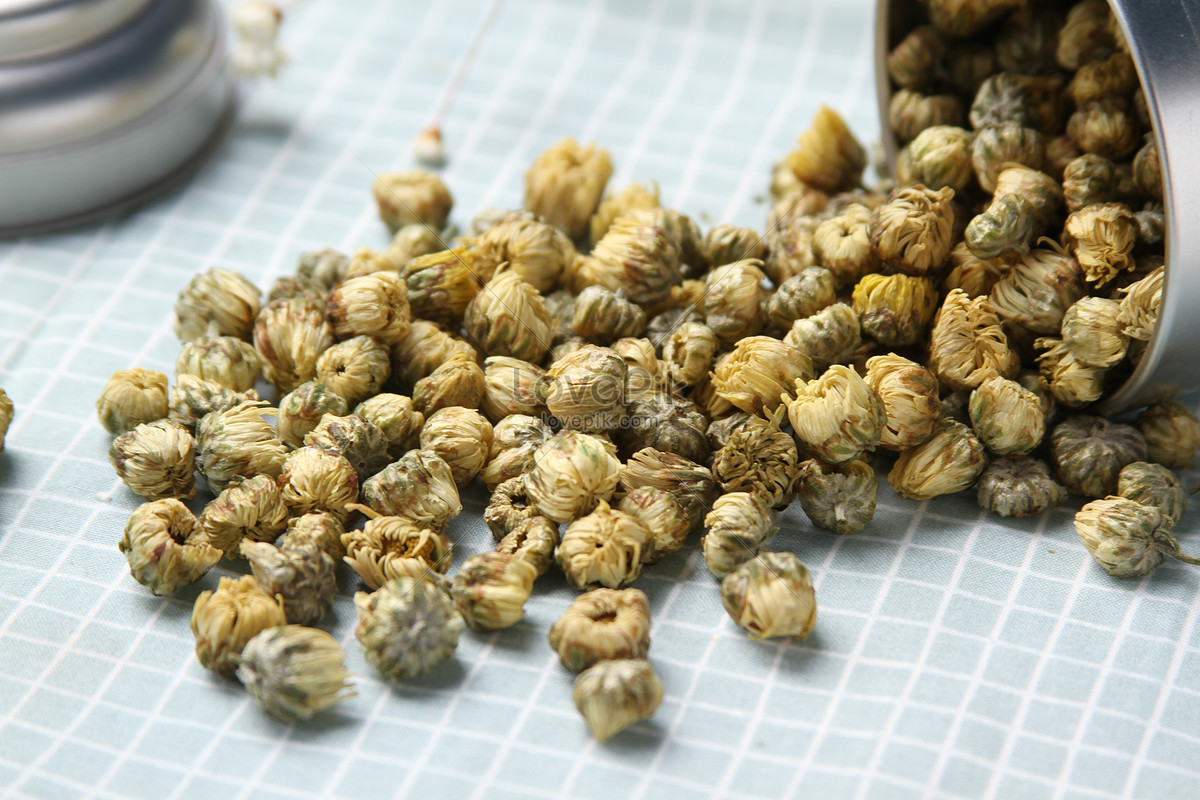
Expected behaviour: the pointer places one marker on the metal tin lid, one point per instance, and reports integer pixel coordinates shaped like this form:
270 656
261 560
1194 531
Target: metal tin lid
98 124
32 29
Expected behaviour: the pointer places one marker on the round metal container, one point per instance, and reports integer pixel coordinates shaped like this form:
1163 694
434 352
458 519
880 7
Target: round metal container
1165 44
105 103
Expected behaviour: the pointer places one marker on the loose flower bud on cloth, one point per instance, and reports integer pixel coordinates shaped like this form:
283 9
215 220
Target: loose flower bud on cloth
1153 485
1089 453
838 499
225 620
390 547
604 548
302 577
771 595
254 509
156 460
601 625
221 296
948 462
238 443
314 480
165 546
1127 538
301 410
132 397
293 672
419 486
1017 486
571 474
565 184
739 524
490 590
407 627
414 196
612 695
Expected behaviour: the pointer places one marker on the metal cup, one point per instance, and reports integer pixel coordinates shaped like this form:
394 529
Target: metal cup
1165 45
104 103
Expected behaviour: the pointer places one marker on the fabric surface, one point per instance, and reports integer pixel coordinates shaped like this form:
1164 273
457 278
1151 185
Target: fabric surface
956 655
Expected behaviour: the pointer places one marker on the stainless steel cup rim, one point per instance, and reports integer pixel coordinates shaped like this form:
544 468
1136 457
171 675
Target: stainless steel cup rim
1164 42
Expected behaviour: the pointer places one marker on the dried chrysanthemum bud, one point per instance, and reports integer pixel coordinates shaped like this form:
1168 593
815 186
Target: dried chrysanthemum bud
226 360
790 246
1147 169
948 462
660 513
462 437
490 590
801 296
602 625
1037 290
1139 307
758 371
302 577
419 485
733 306
973 275
1071 383
1006 226
6 415
1017 486
156 460
1091 330
967 66
771 595
1153 485
411 241
391 547
585 389
839 499
314 479
191 398
536 251
326 267
457 382
509 318
221 296
939 156
996 146
911 112
1006 416
963 18
1101 237
318 529
252 509
690 483
967 344
366 261
571 473
1172 433
667 423
633 197
407 627
913 231
827 156
910 399
515 440
225 620
301 410
424 349
1002 98
637 352
290 336
1088 179
843 246
510 387
837 416
739 524
688 352
533 540
915 61
604 315
293 672
132 397
758 458
1090 452
371 305
638 254
564 185
1106 127
613 694
725 244
288 287
165 547
508 508
236 443
830 336
360 441
1085 36
603 548
413 196
441 285
395 415
895 310
1127 538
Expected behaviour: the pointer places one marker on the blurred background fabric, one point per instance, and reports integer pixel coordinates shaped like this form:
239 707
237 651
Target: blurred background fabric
955 655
